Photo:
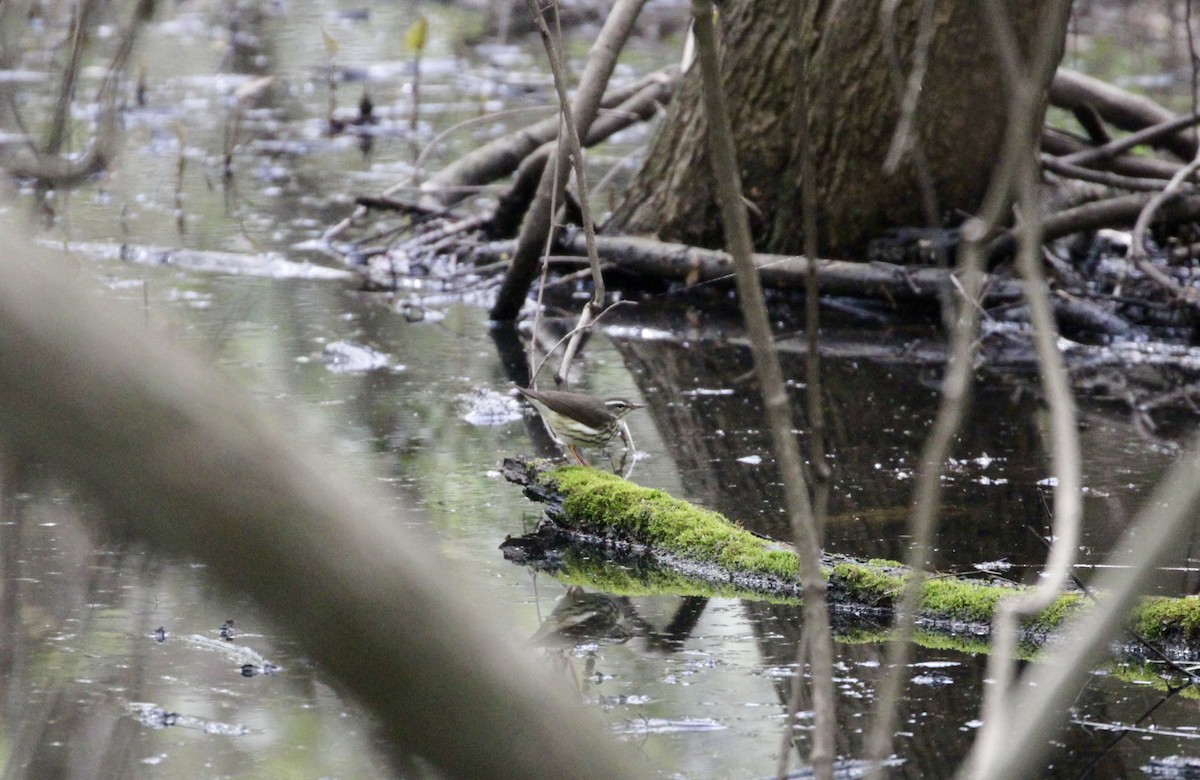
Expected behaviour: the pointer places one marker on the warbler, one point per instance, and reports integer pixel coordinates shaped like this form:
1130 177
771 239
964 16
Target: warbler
577 420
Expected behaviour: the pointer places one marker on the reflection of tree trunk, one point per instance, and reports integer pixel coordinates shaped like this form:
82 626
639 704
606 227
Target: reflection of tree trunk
878 412
852 106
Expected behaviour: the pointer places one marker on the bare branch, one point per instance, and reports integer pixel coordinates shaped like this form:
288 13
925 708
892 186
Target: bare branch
1123 109
538 222
770 380
205 475
998 713
1120 145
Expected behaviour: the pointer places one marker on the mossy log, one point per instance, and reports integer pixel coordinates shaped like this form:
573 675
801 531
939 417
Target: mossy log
683 549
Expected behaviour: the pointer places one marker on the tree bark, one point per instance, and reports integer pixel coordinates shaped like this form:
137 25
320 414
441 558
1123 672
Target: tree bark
853 111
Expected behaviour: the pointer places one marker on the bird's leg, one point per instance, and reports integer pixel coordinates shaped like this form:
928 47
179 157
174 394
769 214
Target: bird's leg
627 440
578 455
627 437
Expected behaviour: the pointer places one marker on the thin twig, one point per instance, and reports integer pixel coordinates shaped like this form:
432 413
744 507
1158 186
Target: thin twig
570 134
1137 251
1108 178
61 171
956 387
538 222
908 91
821 472
1063 440
575 331
775 399
997 711
537 311
905 140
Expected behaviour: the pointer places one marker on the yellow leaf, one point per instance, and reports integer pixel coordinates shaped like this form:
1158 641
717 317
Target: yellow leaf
417 34
331 44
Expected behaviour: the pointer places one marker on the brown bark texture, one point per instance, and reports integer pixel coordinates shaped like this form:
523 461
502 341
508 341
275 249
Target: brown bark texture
853 111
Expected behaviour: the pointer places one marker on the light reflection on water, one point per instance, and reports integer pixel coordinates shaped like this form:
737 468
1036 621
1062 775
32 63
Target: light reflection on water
699 690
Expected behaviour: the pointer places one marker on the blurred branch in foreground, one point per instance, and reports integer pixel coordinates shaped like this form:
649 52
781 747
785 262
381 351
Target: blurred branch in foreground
201 472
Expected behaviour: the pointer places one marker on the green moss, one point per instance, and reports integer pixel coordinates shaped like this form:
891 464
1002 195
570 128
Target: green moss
876 586
961 599
648 580
1053 616
1168 618
958 643
655 518
598 500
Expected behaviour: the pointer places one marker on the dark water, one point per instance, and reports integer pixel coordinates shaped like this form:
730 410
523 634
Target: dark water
88 689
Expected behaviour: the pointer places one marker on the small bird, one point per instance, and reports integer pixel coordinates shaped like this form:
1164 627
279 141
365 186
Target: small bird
576 420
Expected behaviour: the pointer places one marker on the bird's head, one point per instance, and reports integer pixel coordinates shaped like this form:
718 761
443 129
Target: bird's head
619 407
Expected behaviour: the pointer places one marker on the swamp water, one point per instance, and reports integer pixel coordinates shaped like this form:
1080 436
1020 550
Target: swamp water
91 688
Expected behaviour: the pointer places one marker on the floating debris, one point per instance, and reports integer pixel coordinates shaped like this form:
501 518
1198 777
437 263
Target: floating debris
346 357
846 770
1181 767
268 264
670 726
239 654
488 407
155 717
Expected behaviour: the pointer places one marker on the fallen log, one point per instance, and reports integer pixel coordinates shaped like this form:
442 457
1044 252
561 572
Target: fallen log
874 280
694 551
696 265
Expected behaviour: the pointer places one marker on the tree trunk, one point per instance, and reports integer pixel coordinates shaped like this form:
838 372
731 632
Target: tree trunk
853 111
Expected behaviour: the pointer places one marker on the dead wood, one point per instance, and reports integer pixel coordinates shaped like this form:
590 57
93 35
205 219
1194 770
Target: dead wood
1082 314
514 202
500 157
1067 170
610 518
1146 137
875 280
579 113
1058 142
1138 252
1120 211
696 265
1076 305
1120 108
